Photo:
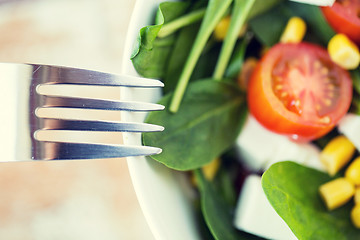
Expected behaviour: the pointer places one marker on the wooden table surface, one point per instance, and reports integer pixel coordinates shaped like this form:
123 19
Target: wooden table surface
67 199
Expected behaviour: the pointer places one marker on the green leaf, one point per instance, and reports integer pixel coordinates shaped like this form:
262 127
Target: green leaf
214 11
238 58
262 6
185 40
217 213
223 183
181 22
269 26
318 27
179 56
206 125
292 190
151 54
239 14
355 75
207 61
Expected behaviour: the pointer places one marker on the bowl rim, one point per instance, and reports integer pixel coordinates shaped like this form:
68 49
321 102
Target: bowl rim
166 221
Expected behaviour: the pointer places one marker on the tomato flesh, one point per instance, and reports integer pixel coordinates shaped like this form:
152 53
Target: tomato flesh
297 90
344 17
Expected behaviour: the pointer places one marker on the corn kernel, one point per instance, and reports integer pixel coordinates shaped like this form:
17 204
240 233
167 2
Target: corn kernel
344 52
337 192
355 215
336 154
222 27
211 169
357 195
352 173
294 31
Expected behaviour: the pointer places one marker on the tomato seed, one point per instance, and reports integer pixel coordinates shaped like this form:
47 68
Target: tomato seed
324 71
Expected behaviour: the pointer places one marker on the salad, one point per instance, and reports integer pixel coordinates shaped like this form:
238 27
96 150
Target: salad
223 67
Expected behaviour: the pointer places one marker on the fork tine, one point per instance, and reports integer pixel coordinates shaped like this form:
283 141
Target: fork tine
82 125
67 75
32 100
70 102
68 151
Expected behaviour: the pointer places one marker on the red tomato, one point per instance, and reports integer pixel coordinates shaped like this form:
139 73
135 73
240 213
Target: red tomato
298 91
344 17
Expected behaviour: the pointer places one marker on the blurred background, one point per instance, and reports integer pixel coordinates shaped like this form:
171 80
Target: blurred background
67 199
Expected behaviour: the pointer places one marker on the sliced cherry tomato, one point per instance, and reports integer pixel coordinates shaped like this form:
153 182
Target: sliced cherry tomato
344 17
298 91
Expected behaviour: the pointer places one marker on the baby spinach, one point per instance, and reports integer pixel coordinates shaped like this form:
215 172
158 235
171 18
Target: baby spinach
237 60
181 22
182 47
292 190
178 56
224 184
206 125
151 54
318 29
268 27
217 213
262 6
242 10
214 12
355 76
239 14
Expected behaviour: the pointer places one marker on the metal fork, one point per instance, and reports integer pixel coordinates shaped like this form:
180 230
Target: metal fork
20 123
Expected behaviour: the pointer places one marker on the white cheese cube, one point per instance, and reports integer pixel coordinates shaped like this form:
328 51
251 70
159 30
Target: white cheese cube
349 125
316 2
259 148
255 215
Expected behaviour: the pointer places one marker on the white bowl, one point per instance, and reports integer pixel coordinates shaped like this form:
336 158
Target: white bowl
162 193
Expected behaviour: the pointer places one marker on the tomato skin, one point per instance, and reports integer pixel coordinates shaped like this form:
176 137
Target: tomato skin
262 109
271 112
344 20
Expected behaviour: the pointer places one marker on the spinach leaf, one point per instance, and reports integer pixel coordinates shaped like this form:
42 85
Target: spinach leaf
292 190
262 6
214 11
151 54
206 125
179 55
355 76
207 61
318 29
181 22
355 104
269 26
240 12
217 213
185 39
223 184
237 60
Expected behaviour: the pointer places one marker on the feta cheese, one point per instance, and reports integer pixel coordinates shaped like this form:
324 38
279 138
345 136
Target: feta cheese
316 2
255 215
259 148
349 125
